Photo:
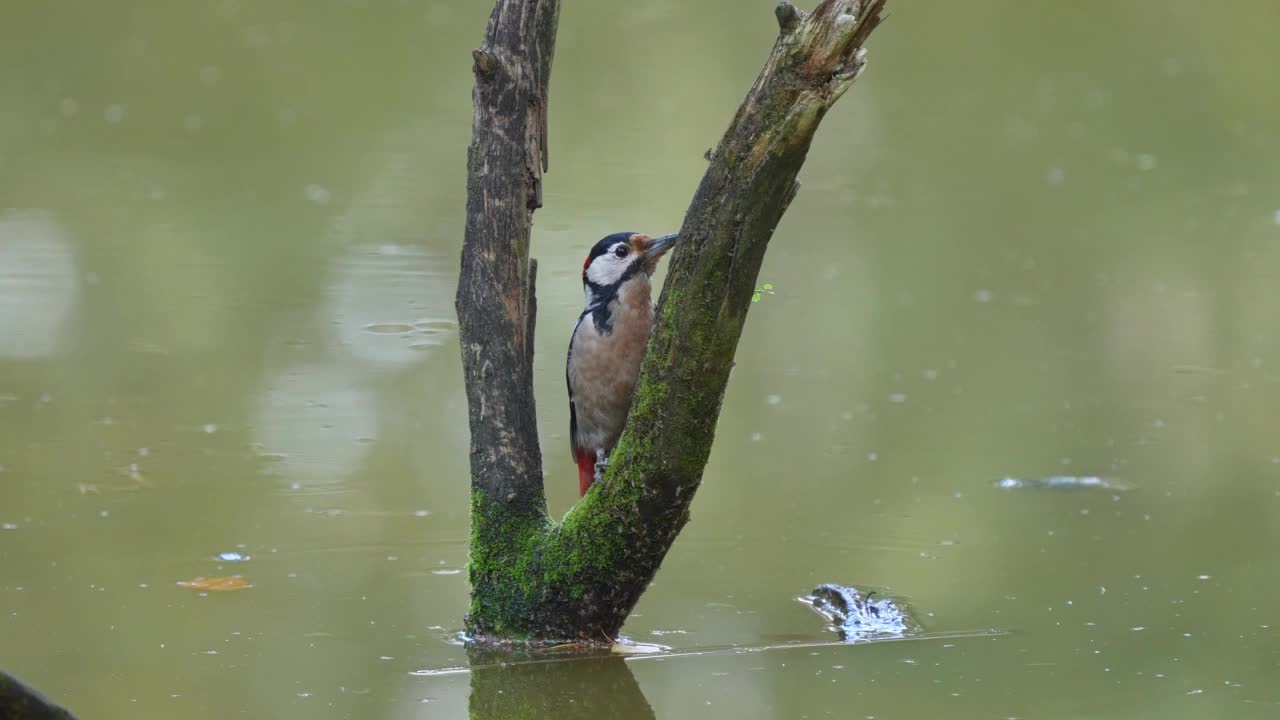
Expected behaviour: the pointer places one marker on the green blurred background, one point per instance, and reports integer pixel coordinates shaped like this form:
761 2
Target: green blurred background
1035 239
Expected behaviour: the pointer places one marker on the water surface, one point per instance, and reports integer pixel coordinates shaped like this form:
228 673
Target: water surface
1032 242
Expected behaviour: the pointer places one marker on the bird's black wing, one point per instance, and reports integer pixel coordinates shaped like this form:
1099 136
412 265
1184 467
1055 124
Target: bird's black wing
573 413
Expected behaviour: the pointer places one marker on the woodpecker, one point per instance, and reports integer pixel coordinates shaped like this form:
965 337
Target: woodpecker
608 343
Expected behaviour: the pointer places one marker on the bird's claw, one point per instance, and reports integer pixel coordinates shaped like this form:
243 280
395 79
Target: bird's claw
602 462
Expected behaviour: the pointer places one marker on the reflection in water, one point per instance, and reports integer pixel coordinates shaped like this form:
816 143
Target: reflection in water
392 298
314 425
389 303
38 284
1171 318
1063 273
589 688
317 418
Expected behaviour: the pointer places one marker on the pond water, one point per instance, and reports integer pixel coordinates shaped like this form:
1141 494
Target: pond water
1033 242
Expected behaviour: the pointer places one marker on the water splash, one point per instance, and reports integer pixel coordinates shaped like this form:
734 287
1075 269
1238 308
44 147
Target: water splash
1062 482
859 618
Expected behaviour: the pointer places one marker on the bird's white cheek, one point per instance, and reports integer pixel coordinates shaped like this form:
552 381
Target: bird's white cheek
605 271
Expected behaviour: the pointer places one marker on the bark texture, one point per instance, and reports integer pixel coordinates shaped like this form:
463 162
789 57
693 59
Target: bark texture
532 578
495 301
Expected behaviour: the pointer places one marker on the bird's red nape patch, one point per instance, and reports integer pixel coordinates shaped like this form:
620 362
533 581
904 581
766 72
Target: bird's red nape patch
586 470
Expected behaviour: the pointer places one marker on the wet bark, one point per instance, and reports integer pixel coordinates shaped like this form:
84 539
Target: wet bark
495 300
534 579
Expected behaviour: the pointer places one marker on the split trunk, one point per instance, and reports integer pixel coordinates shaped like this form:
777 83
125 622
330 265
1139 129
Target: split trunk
532 578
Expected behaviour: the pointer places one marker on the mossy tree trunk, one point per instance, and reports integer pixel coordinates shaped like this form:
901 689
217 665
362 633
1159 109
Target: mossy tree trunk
532 578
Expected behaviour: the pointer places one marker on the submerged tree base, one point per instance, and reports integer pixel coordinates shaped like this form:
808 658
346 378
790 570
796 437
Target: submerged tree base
541 582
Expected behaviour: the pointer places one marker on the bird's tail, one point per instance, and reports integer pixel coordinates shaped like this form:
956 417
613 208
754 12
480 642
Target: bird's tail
586 469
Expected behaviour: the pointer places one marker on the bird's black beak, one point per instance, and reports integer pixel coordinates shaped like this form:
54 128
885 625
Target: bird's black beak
659 245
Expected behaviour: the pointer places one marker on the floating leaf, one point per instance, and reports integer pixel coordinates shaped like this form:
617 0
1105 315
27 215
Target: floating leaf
768 286
216 584
755 297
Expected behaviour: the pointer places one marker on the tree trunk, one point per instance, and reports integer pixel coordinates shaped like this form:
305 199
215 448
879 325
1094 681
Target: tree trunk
495 300
534 579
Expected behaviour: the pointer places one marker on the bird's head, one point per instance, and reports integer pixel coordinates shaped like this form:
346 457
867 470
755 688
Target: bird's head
620 256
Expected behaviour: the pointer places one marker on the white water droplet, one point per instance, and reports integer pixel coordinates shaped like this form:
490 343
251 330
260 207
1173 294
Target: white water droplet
114 114
316 194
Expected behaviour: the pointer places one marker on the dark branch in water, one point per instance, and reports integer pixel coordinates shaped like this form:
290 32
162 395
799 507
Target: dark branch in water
857 617
19 701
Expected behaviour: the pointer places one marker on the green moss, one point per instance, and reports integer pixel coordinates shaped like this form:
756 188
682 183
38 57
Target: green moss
516 563
649 393
503 548
586 544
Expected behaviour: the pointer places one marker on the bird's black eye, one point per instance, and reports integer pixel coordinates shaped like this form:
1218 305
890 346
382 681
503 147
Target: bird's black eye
621 251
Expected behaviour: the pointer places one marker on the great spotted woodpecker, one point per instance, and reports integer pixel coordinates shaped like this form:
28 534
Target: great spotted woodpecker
608 344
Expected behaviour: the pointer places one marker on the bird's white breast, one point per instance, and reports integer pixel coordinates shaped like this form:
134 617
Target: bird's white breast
603 367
